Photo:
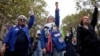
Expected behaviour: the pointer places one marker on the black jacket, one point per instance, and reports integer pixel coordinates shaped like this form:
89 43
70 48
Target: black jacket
70 50
87 41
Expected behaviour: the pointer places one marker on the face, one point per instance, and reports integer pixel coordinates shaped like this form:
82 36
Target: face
21 21
74 41
85 20
37 35
50 19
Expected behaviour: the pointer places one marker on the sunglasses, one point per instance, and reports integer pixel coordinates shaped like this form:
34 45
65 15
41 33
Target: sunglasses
21 19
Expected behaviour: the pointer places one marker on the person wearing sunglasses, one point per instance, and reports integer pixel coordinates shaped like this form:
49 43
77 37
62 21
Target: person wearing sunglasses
17 39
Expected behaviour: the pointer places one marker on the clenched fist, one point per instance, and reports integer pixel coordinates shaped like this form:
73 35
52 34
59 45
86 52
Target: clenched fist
56 4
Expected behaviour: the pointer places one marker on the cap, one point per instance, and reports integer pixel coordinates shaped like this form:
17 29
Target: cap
38 32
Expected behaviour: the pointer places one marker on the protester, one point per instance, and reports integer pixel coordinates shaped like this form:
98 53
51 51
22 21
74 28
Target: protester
87 41
17 40
38 49
50 34
74 42
70 50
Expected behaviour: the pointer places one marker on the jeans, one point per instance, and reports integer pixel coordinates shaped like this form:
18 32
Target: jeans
55 53
38 51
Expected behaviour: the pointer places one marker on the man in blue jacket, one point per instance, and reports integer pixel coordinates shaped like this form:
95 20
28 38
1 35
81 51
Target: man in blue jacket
17 40
45 32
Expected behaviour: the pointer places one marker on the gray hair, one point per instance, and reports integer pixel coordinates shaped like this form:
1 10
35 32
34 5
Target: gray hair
22 17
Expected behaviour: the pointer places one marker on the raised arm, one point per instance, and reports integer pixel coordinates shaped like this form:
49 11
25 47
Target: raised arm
57 17
94 17
31 21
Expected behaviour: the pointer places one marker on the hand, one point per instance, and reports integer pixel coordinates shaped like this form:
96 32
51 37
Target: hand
44 50
1 54
31 8
31 11
56 4
77 54
95 4
3 50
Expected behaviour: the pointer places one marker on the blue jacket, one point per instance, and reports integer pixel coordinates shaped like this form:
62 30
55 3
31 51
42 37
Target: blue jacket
43 37
10 37
58 41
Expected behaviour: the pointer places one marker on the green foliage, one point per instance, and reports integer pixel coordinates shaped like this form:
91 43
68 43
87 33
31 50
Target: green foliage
74 19
85 4
83 7
10 9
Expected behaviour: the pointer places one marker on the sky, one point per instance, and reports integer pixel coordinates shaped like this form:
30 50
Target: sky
67 7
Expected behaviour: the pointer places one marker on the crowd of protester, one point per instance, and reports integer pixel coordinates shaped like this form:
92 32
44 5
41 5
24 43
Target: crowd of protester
48 40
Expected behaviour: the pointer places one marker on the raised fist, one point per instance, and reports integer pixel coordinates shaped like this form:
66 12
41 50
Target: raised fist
95 4
56 4
31 11
31 8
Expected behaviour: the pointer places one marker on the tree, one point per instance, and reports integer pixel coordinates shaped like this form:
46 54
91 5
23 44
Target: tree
74 20
10 9
83 7
85 4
